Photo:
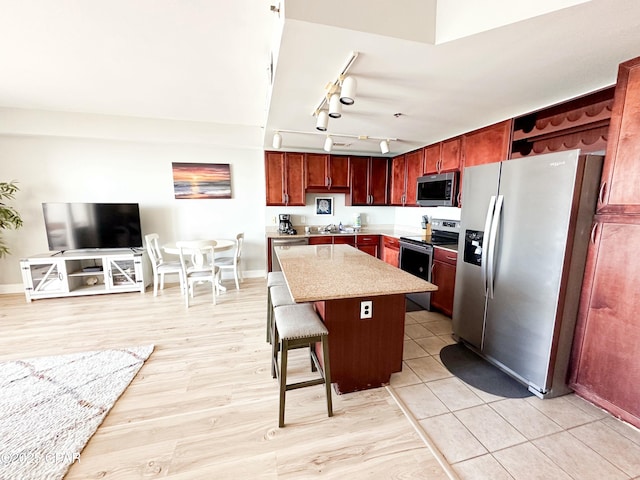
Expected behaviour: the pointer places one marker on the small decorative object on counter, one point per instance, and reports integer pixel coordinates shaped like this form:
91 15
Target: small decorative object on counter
340 227
357 223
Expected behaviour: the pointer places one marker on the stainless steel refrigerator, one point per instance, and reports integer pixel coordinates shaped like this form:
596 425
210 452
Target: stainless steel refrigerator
525 226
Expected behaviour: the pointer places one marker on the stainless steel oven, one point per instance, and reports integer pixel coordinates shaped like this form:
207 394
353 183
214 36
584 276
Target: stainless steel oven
416 258
416 253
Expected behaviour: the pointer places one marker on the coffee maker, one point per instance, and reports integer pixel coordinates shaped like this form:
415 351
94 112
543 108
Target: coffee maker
285 225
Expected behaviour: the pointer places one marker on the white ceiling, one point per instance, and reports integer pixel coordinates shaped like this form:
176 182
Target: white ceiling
446 68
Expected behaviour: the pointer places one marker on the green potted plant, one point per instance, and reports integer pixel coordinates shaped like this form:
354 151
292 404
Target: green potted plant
9 217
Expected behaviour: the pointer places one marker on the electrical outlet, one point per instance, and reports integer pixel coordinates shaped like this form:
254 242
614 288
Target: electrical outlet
366 309
273 220
303 220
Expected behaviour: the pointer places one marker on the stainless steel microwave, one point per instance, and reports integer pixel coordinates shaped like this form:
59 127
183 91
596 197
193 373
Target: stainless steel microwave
439 190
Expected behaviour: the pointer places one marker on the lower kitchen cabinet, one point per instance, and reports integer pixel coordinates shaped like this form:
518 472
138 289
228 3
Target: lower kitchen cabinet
443 275
390 250
369 244
605 367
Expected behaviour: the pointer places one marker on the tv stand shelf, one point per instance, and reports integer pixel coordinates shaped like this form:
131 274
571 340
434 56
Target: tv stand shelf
92 272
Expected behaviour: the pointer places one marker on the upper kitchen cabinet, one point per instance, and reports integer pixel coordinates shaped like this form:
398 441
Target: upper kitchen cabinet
443 156
487 145
579 123
620 191
285 177
405 170
327 173
369 181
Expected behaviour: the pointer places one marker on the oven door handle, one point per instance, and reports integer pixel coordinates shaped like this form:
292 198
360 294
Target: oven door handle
485 243
495 226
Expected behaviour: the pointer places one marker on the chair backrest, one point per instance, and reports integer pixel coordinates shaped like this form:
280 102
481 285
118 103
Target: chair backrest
238 252
197 256
153 249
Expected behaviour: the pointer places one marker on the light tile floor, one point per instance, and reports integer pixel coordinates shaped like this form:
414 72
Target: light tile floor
484 436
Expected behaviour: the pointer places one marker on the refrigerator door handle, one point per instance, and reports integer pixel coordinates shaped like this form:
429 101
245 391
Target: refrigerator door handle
485 242
495 225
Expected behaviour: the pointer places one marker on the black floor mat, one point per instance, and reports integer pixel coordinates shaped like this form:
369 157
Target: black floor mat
477 372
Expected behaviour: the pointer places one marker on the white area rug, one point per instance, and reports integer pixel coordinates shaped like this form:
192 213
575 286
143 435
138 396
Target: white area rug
50 407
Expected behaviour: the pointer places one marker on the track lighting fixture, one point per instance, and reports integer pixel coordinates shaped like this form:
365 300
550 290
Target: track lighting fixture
329 143
335 107
277 140
348 90
322 121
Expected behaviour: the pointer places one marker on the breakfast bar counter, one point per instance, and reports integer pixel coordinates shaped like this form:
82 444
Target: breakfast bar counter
365 349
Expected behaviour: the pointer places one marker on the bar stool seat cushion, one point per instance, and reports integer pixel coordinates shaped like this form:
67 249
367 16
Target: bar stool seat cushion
299 321
280 296
275 278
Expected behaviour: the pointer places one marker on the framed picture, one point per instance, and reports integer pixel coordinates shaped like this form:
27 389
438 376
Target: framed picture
201 180
324 206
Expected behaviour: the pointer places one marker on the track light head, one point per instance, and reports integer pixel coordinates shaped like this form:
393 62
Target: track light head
328 144
384 146
335 107
277 140
348 91
323 121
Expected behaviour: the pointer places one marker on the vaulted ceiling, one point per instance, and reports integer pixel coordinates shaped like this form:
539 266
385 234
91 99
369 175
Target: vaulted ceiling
445 67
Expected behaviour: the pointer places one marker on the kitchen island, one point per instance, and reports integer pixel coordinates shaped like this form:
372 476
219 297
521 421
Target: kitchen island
340 280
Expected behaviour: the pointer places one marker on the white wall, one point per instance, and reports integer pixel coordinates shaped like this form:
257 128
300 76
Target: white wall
63 169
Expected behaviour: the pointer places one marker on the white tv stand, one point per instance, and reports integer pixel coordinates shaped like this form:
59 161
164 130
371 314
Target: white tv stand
92 272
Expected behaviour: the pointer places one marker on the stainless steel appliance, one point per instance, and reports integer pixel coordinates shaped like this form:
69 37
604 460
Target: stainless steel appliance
438 190
285 225
416 253
283 242
522 250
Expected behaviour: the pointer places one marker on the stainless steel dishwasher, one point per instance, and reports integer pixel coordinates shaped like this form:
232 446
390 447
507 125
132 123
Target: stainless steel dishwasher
278 242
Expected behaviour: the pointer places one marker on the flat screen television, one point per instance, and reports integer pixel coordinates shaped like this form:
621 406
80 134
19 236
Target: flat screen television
83 226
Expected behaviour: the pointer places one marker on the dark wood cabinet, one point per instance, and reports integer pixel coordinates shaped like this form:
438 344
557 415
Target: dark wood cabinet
326 240
327 173
443 275
369 181
369 244
487 145
431 156
620 190
390 250
606 356
405 170
450 155
284 175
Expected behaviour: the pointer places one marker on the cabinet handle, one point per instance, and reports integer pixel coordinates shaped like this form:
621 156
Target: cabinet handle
451 258
601 193
594 229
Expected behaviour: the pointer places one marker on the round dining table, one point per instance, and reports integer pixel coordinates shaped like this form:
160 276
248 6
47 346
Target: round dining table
221 246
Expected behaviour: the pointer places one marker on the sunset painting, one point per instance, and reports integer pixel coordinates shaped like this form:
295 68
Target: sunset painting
201 180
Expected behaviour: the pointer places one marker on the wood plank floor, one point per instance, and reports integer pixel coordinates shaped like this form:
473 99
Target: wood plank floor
204 405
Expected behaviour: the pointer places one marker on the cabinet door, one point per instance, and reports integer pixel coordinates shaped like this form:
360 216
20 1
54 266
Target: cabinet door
487 145
294 175
339 172
390 250
398 180
378 181
320 240
274 178
605 367
122 273
432 159
443 275
359 194
414 170
317 177
44 277
368 244
450 155
621 176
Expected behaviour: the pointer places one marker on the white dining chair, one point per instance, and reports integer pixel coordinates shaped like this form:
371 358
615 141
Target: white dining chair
232 263
160 266
198 266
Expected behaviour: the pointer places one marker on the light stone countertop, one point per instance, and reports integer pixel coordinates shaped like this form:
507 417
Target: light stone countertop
330 272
